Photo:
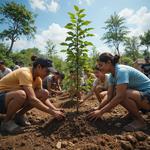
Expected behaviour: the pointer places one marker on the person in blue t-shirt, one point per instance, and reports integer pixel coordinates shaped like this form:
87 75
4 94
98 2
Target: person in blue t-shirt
128 87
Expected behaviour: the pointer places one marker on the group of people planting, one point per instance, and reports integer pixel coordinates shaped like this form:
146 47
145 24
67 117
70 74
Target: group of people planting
28 87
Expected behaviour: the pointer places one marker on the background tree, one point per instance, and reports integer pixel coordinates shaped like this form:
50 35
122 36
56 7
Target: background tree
116 31
19 20
51 49
145 41
93 57
77 43
24 56
132 48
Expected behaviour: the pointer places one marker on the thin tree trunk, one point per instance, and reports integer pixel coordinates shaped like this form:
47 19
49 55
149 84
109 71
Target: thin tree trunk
10 48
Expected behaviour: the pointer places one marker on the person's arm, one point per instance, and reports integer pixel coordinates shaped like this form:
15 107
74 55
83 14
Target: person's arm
35 102
117 99
108 98
50 88
120 95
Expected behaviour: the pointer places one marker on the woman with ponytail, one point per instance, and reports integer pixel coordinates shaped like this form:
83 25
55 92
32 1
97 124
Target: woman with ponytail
127 87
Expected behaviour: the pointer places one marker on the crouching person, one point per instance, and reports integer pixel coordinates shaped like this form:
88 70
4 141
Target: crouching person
21 90
100 86
127 87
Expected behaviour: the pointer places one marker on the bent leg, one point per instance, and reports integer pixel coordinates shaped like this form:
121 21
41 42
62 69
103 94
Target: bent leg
14 101
133 103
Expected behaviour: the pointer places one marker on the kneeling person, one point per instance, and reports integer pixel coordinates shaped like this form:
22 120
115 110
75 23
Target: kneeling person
22 90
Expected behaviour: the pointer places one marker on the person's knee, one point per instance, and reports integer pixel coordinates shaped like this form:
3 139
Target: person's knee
44 94
21 95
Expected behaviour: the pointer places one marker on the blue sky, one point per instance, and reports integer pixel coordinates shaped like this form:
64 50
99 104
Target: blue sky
52 17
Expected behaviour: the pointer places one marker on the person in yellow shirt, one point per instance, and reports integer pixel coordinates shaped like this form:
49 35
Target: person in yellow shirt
22 90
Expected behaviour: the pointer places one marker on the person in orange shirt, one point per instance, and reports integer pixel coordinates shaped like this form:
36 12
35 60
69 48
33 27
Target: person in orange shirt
22 90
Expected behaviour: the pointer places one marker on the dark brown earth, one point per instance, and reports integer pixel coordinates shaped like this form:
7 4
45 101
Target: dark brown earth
75 132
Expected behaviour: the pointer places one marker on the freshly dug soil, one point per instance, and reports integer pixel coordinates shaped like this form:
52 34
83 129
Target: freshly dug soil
76 132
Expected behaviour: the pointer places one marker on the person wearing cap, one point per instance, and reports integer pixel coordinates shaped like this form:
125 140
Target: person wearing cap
22 90
146 67
52 83
3 69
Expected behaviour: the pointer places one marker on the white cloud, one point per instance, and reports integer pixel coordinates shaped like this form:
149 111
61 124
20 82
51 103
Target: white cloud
126 12
51 6
55 33
23 44
40 4
88 2
139 20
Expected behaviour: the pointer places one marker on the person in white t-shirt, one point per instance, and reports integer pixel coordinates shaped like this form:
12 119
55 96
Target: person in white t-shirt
3 69
100 86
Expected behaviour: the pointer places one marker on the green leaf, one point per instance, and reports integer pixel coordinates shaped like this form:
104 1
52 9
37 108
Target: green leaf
82 16
90 35
70 33
81 10
76 7
72 16
88 43
69 26
73 21
68 38
86 23
64 44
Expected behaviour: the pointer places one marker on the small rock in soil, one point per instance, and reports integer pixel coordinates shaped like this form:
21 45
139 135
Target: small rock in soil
141 136
126 145
58 145
118 125
131 139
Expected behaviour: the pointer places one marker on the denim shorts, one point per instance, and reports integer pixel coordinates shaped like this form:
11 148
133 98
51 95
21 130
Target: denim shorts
2 102
145 95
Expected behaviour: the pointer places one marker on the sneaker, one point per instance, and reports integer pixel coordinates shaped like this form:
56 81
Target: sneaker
10 127
22 120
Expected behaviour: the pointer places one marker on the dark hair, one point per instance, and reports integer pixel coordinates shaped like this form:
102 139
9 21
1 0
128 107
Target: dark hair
33 58
42 62
2 62
105 57
62 75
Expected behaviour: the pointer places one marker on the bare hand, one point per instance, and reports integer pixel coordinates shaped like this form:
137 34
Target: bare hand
94 115
58 114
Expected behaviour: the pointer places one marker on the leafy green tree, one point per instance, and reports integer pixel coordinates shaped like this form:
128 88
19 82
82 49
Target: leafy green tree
4 57
24 56
19 20
76 43
127 60
145 41
132 48
146 53
116 31
93 56
51 49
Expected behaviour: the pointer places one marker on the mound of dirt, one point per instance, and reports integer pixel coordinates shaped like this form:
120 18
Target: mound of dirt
74 125
77 132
